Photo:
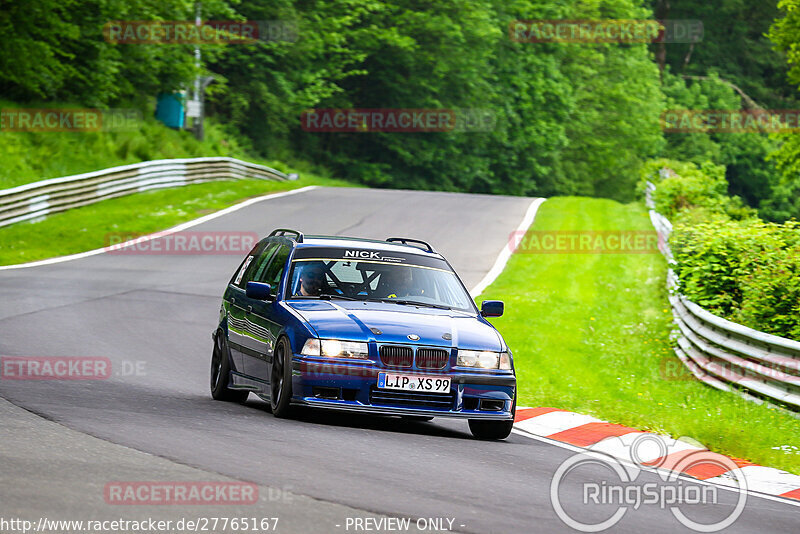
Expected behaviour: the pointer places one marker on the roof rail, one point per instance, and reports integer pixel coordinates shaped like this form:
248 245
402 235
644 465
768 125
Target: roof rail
409 241
282 232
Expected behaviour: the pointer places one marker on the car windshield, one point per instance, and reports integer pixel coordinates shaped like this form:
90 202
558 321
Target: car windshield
377 281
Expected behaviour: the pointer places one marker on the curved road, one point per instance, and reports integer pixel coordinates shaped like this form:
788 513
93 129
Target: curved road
157 312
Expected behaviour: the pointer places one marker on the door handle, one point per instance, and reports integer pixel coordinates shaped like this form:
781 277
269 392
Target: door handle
232 300
249 309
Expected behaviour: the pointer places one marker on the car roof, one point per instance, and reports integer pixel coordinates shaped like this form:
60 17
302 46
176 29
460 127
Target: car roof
313 241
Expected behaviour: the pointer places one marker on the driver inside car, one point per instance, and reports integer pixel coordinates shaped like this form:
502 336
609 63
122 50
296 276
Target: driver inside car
312 279
399 283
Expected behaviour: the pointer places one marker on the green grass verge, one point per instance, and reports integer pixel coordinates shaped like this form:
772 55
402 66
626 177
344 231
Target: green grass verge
590 333
85 228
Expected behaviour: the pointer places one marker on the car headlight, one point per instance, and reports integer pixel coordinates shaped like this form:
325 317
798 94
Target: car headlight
484 359
334 348
311 347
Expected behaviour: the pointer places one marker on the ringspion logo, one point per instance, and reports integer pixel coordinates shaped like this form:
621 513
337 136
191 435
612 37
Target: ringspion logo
610 486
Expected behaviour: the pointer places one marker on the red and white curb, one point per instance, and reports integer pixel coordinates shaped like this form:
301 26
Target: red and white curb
661 452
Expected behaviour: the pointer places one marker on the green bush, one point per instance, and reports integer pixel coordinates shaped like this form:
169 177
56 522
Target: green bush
746 271
686 187
727 260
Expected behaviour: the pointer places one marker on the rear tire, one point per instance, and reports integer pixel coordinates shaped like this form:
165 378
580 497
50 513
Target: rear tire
221 373
281 379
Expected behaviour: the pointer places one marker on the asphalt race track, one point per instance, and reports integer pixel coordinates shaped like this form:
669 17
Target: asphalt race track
152 316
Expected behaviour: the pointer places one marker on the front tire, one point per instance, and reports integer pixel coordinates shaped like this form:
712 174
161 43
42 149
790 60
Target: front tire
494 430
280 379
221 373
490 430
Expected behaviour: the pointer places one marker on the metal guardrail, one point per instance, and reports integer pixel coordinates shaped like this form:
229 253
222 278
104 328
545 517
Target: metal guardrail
660 223
39 199
726 355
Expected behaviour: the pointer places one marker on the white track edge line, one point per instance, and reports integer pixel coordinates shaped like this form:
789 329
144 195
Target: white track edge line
505 254
178 228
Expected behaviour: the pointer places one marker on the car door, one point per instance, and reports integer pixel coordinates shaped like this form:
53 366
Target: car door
262 318
236 303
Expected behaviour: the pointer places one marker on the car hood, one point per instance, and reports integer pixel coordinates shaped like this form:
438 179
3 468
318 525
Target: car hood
353 321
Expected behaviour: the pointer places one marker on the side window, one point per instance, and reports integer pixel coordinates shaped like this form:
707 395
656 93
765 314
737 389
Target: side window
259 262
236 279
240 271
274 271
257 273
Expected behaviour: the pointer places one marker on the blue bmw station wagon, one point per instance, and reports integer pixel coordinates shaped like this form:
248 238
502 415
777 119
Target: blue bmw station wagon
384 327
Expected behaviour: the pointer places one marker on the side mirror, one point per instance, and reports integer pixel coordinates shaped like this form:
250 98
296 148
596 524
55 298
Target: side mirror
492 308
259 291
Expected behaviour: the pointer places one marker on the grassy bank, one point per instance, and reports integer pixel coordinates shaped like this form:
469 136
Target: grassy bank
31 156
590 333
86 228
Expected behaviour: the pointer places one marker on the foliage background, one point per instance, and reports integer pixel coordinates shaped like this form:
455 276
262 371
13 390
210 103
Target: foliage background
572 118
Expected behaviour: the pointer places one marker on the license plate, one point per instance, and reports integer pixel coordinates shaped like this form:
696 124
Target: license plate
427 384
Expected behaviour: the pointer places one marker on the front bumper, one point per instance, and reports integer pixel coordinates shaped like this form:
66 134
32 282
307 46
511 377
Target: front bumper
352 385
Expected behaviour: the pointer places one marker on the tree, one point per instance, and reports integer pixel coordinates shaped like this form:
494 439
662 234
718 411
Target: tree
785 199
